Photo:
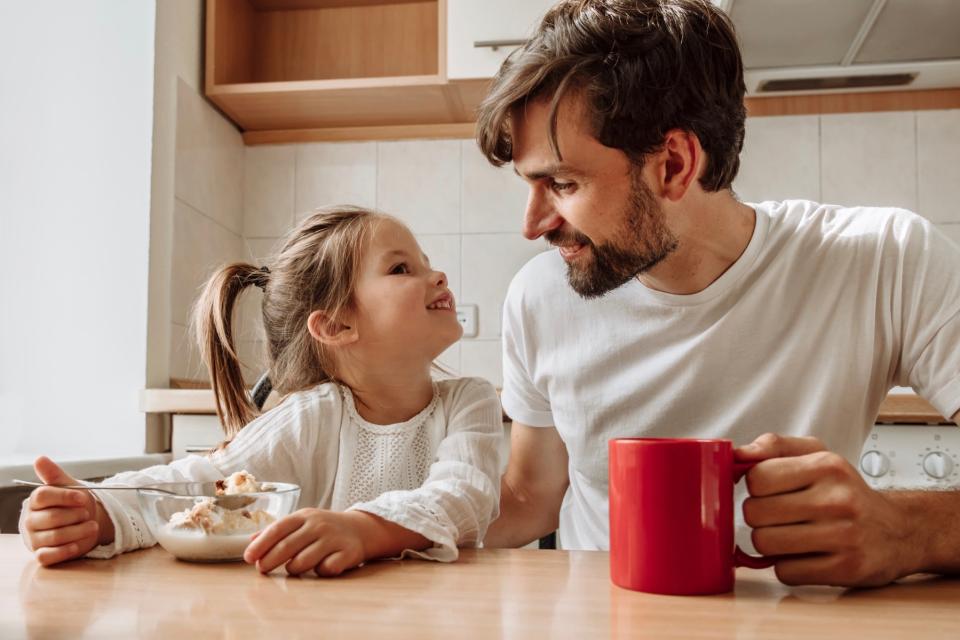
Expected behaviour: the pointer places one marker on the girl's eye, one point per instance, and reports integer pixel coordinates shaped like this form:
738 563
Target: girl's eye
400 268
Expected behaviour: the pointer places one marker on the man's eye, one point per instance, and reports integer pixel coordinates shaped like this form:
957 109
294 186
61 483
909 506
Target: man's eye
562 186
399 268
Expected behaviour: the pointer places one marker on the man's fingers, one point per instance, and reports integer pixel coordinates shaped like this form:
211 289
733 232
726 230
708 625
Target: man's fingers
64 535
46 497
784 475
825 568
54 517
771 445
792 539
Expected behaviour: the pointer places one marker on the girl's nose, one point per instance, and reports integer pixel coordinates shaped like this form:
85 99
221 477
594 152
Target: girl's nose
440 278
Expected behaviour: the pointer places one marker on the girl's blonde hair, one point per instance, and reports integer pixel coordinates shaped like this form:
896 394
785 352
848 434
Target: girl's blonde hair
316 269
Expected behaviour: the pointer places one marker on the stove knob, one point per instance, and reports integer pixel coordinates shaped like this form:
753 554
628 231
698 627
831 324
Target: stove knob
874 464
938 465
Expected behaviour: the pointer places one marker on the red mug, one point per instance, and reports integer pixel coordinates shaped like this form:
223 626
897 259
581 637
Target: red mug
671 516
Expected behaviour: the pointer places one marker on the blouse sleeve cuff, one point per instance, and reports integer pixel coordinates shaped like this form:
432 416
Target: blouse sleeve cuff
418 519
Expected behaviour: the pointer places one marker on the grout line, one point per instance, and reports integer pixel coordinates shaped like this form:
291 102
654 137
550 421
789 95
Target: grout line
916 164
296 175
820 158
211 219
376 175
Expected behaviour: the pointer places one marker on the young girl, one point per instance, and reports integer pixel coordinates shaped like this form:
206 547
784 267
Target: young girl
389 461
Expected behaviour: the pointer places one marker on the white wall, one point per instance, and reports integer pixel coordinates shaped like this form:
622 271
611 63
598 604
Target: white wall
467 215
76 110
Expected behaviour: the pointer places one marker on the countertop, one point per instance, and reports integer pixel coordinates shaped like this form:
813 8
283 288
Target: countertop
517 593
899 406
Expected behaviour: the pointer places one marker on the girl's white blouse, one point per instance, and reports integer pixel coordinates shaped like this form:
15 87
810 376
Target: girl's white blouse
437 474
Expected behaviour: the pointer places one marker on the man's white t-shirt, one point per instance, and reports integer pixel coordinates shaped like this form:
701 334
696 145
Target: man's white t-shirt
824 312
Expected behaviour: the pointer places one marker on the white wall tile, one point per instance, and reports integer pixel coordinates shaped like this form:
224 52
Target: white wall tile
869 159
780 159
268 190
261 251
450 359
419 182
482 358
335 173
184 356
952 231
494 198
252 359
444 254
199 246
209 160
489 264
938 165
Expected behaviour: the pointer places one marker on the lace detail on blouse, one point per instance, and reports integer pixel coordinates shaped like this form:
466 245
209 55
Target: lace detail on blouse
387 457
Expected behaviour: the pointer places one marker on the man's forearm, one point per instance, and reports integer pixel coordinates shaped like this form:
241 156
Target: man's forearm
934 520
521 520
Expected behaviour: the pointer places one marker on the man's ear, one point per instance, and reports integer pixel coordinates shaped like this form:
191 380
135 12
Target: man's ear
330 332
680 158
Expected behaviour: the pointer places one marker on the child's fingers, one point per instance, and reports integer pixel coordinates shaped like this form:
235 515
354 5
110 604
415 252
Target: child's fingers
46 497
52 555
283 551
54 517
269 537
64 535
308 557
333 565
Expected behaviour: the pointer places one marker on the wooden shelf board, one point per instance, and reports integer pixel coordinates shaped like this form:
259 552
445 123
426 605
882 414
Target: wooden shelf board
295 106
455 130
853 102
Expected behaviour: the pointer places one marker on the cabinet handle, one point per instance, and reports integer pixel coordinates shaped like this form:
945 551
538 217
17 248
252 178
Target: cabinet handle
496 44
197 449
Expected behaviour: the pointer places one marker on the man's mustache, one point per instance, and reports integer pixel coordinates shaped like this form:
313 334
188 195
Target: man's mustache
560 238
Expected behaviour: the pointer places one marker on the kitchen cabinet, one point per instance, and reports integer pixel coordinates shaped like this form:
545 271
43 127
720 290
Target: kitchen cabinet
482 33
279 65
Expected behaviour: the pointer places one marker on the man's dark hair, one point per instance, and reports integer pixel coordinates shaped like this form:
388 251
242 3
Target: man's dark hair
642 68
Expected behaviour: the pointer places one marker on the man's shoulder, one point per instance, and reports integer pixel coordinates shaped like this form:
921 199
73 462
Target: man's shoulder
796 219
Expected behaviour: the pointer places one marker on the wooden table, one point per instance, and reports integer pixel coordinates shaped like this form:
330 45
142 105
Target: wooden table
523 594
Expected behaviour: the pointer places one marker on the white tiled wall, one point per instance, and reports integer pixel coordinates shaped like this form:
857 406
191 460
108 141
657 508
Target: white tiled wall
209 219
467 215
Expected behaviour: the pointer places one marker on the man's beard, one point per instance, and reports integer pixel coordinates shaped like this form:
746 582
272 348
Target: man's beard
646 241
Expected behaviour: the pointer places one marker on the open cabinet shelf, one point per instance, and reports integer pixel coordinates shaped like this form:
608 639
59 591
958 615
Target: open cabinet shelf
280 65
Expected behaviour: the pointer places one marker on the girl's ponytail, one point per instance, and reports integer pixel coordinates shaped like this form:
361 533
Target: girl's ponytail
213 323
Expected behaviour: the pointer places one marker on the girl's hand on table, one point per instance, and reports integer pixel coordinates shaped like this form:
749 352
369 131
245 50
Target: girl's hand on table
61 524
327 542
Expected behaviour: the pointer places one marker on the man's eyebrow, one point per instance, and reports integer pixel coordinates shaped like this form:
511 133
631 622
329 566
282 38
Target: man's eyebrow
550 171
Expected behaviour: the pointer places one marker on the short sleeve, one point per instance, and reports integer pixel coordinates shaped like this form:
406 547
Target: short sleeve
521 398
930 314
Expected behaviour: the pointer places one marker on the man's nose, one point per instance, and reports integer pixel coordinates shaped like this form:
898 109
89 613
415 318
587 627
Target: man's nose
540 217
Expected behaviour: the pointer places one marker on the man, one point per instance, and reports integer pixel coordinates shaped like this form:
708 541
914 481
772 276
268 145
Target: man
671 309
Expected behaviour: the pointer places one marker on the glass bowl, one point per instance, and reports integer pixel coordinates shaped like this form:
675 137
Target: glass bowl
228 531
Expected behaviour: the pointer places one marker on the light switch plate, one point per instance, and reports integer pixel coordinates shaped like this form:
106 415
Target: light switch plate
467 316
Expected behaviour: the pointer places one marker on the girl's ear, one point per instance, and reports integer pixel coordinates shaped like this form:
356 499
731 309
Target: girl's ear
330 332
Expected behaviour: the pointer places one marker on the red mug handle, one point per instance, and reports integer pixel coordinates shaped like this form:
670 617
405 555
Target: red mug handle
740 557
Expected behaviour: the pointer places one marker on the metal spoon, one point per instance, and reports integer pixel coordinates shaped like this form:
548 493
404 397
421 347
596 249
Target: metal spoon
231 502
